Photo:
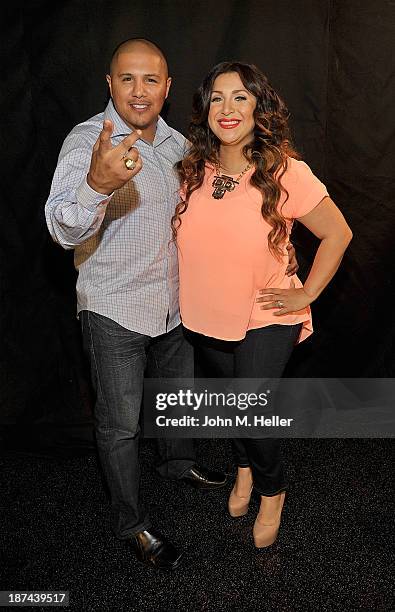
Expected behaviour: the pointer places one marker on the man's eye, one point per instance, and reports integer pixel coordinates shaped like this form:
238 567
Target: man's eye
126 79
152 80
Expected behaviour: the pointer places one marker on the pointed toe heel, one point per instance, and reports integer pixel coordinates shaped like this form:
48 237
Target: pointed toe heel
267 523
238 505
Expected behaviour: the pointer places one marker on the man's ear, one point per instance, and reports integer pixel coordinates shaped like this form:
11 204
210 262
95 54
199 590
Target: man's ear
168 84
108 79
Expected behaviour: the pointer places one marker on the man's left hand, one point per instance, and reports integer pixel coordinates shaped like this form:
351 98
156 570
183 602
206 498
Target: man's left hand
293 265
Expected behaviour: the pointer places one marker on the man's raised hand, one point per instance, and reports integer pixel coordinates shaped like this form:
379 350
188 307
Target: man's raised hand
108 171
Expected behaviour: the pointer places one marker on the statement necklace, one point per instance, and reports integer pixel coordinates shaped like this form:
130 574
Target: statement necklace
223 183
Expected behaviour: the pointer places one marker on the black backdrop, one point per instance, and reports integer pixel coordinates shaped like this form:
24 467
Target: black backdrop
332 61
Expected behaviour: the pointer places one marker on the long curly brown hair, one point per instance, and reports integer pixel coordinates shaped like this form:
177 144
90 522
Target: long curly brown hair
268 151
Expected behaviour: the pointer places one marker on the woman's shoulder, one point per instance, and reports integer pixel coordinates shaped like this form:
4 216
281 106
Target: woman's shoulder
305 190
296 165
298 172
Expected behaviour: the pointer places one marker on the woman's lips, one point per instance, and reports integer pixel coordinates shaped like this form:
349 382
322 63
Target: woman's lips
229 124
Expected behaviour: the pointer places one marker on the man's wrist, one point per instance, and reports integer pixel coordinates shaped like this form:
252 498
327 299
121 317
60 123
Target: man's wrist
93 185
90 199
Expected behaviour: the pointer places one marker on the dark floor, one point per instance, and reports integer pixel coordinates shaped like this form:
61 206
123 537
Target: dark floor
333 552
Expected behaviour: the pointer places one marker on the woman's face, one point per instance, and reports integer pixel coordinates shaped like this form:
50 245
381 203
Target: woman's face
231 113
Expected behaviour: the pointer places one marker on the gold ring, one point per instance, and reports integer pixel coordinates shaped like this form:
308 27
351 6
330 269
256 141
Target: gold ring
129 163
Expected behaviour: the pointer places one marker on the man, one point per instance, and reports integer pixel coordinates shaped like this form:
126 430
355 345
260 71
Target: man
112 202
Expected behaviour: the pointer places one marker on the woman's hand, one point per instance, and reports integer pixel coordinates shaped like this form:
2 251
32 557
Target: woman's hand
284 300
328 224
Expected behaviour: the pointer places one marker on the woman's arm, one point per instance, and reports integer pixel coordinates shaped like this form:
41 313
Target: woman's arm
327 223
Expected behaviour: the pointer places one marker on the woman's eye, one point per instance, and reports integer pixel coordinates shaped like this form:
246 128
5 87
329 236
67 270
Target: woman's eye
240 98
215 99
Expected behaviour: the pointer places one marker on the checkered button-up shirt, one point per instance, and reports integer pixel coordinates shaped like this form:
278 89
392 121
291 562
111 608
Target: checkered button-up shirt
126 262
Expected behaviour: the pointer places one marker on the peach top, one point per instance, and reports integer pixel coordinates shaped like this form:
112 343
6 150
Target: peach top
224 258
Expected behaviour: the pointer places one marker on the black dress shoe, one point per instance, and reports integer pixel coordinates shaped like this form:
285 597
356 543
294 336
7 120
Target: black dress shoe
154 550
201 478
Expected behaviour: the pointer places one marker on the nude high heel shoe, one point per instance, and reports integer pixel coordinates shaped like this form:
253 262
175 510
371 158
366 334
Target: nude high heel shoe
237 504
267 522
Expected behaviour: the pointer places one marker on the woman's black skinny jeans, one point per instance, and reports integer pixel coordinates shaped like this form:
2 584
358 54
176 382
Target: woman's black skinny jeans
263 353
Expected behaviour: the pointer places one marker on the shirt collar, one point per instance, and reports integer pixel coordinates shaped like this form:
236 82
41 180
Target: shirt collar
163 131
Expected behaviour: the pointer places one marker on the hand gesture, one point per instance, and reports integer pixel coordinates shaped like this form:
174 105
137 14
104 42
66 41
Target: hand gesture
285 300
108 170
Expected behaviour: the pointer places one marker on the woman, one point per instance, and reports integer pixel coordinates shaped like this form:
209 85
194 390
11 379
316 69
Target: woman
243 187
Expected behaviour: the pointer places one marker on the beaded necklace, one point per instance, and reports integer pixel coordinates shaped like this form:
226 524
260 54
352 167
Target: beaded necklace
223 182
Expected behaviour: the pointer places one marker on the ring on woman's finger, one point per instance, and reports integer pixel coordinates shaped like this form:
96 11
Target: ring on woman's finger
129 163
280 304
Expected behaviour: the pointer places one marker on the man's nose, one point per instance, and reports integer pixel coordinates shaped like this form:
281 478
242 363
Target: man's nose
138 88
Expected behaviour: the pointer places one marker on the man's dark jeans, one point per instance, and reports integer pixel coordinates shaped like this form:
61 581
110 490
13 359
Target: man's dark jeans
119 361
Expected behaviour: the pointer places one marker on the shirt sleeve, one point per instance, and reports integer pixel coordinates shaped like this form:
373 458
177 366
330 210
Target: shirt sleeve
304 188
74 211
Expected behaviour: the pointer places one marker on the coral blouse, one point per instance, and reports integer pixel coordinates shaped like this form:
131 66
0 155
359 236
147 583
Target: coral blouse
224 258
